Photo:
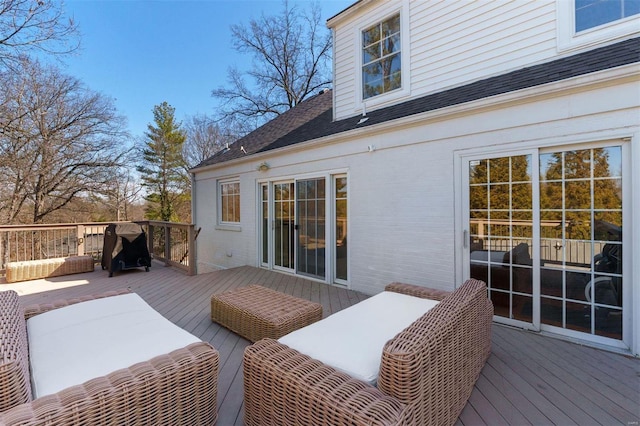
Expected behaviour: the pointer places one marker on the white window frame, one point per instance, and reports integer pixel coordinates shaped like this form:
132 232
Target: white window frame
383 99
221 221
382 59
568 39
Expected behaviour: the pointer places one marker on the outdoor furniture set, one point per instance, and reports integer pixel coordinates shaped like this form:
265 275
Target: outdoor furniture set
407 356
102 360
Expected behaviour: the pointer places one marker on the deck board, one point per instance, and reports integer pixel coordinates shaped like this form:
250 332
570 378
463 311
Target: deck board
528 379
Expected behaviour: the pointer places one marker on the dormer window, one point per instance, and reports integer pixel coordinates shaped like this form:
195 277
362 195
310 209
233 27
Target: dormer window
381 63
593 13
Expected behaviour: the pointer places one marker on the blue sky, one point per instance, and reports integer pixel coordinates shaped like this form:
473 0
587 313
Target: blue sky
143 52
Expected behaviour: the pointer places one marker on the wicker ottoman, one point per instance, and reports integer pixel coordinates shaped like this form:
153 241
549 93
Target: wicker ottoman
255 312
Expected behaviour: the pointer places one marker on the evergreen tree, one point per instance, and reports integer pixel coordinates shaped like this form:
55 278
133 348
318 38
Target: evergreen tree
162 164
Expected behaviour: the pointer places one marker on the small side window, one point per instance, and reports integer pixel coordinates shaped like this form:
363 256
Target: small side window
229 202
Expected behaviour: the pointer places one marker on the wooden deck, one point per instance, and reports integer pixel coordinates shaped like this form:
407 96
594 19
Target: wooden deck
529 379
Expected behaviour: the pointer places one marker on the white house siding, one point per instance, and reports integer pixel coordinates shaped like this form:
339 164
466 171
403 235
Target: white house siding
404 222
452 43
224 246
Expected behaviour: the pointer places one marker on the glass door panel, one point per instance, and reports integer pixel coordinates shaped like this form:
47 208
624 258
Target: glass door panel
310 224
283 229
570 211
340 231
581 240
501 232
264 224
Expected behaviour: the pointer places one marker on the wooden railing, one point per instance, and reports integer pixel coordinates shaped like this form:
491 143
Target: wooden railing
169 242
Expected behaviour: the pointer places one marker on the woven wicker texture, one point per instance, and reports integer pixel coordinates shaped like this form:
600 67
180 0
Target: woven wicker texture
427 371
179 388
15 383
44 268
417 291
434 363
255 312
284 387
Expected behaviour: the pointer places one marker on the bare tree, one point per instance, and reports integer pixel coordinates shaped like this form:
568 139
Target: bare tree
120 194
34 25
58 141
290 62
205 137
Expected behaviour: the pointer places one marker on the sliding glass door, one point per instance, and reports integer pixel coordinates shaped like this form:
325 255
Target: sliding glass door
545 233
293 226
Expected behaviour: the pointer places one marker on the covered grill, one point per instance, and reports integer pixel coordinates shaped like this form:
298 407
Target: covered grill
125 247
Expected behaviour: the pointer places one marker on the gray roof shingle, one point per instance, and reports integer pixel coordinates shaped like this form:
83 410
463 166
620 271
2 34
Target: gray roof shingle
275 129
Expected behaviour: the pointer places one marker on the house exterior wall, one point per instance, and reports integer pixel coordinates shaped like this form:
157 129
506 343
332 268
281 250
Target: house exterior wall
405 176
404 197
449 44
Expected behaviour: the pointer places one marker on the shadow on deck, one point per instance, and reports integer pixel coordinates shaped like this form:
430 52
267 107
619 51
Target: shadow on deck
528 379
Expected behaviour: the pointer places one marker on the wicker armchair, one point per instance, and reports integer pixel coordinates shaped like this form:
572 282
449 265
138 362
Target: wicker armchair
427 371
179 388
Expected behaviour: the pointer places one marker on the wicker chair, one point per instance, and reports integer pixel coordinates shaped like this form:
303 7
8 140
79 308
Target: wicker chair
427 371
179 388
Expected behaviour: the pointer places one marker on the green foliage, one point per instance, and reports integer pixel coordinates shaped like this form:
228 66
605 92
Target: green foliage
162 164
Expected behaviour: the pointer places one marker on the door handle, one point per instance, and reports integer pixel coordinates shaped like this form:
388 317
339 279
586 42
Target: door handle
465 238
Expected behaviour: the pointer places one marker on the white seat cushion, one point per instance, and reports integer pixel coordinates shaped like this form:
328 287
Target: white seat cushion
76 343
352 340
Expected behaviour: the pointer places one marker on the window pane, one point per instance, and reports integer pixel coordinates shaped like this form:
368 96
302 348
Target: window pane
499 170
577 194
499 196
631 7
370 36
577 164
551 195
391 26
607 162
478 171
392 74
478 197
391 44
372 78
607 226
521 168
551 166
371 53
592 13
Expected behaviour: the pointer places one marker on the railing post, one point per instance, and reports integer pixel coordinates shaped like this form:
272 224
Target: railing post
80 239
150 232
191 238
167 244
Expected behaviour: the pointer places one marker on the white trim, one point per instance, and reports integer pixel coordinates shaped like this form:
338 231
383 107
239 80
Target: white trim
568 39
634 247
